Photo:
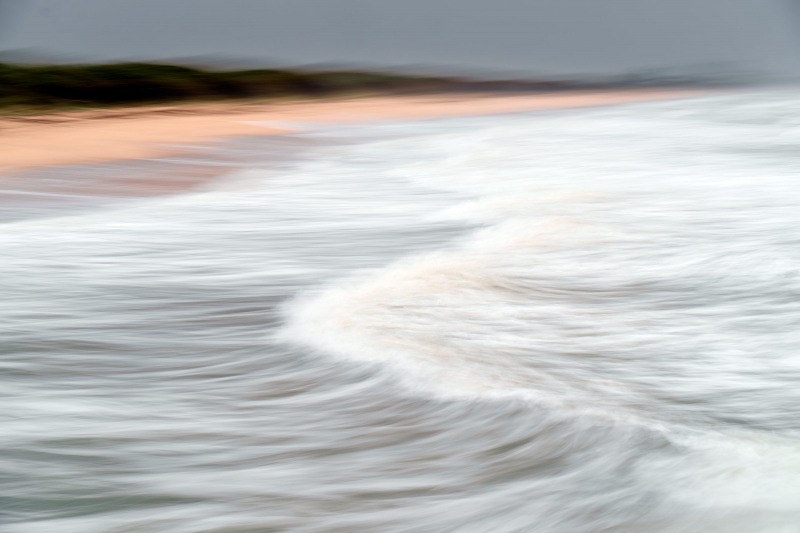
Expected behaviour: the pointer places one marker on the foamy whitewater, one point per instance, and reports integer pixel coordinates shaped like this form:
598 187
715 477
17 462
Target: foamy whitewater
571 321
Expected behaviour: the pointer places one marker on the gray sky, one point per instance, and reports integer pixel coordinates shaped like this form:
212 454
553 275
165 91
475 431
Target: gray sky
530 36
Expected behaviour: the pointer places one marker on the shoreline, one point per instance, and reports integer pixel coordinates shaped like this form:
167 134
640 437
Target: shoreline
98 136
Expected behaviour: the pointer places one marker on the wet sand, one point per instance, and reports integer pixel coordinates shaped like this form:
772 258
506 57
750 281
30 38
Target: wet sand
97 136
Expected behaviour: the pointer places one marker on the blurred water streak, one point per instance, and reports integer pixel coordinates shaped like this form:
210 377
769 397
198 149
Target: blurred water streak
566 321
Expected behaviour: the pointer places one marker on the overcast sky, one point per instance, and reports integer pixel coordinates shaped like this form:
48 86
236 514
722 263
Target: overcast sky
532 36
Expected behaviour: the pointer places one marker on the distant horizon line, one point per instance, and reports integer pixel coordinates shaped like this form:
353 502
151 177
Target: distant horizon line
34 56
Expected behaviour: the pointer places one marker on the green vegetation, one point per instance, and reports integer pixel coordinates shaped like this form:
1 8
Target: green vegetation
134 83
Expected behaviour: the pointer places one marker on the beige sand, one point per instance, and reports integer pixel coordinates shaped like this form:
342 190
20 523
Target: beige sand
105 135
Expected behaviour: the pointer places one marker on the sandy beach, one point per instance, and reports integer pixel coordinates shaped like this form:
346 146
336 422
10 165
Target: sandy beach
94 136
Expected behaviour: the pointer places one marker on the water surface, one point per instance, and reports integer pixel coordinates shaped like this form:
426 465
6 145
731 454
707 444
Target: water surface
572 321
